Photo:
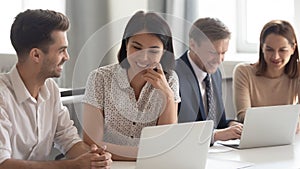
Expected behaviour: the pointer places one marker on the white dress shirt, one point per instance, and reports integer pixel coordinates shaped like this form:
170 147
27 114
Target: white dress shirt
29 127
200 74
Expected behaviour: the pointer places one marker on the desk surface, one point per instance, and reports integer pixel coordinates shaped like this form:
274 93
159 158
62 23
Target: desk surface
277 157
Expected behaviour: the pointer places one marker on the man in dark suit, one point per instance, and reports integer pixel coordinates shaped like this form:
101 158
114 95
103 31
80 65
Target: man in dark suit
208 42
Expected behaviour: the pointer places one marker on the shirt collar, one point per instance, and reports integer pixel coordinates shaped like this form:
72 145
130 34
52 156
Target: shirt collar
122 77
20 89
200 74
44 93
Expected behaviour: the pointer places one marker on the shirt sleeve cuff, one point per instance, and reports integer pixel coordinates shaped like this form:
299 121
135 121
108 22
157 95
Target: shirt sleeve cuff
4 155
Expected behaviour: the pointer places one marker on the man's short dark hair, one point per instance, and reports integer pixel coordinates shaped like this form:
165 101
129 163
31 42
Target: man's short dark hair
209 29
33 28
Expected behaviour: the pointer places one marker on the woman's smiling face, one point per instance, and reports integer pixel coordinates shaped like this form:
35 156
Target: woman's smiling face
143 50
277 51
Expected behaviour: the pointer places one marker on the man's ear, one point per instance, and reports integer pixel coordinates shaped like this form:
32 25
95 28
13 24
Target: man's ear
192 43
35 55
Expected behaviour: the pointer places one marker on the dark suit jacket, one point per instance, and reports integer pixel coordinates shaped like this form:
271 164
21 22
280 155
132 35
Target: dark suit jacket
191 107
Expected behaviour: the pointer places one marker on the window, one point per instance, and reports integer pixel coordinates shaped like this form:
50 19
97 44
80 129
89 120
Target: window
11 8
254 14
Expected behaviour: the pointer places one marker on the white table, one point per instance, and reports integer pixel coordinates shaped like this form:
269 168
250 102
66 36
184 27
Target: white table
277 157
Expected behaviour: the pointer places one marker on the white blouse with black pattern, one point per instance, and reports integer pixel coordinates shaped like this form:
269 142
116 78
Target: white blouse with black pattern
108 88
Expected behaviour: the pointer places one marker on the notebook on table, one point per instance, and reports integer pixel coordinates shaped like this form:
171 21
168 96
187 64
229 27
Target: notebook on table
175 146
268 126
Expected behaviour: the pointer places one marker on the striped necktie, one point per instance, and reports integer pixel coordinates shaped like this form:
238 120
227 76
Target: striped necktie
211 102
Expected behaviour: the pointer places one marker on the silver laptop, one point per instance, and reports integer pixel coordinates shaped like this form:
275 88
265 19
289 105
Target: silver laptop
175 146
268 126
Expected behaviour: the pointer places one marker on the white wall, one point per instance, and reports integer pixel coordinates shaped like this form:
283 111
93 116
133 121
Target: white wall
6 62
297 19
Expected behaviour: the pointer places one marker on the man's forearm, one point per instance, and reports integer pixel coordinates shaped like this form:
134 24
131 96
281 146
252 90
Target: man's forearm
77 150
26 164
